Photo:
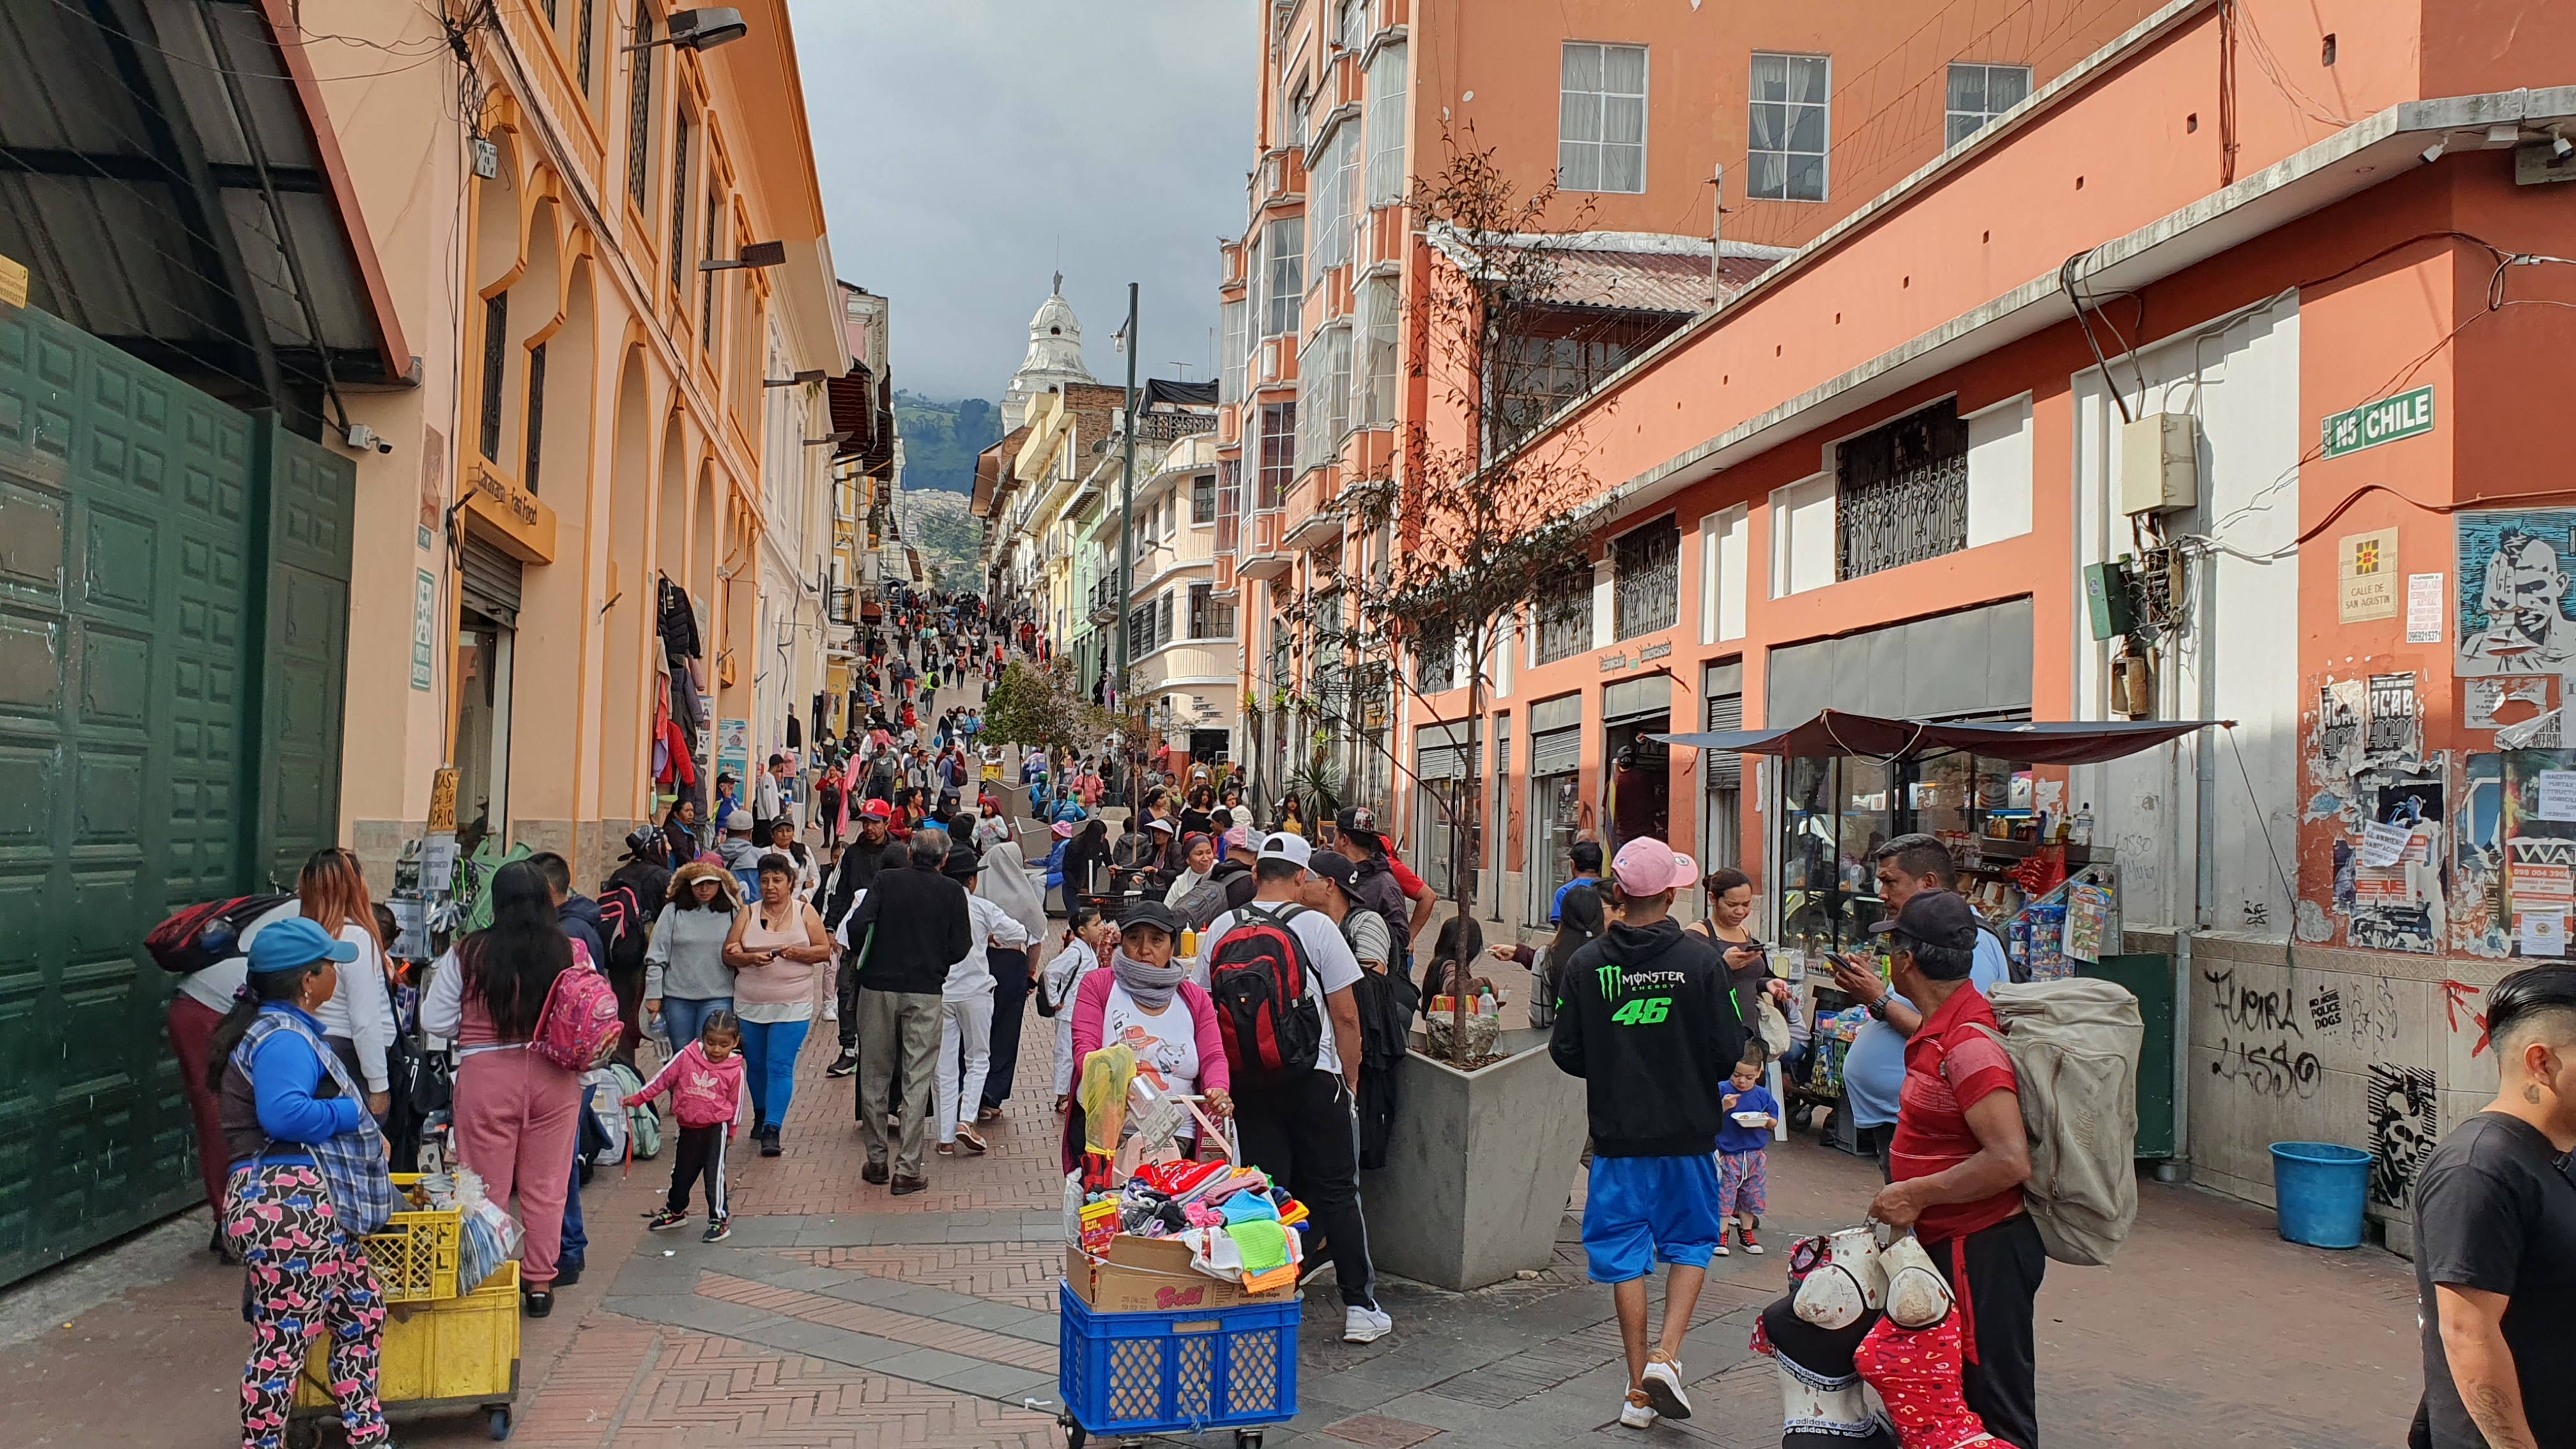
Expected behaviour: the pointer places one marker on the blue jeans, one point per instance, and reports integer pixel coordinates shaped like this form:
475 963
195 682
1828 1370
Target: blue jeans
769 1051
685 1018
576 1243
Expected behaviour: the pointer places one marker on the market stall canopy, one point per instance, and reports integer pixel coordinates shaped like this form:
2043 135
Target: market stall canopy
2053 742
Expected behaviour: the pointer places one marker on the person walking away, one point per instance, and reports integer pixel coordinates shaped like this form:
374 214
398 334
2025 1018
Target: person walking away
874 850
2495 1237
1644 1020
1146 1002
579 919
773 949
1585 857
517 1114
966 1010
711 1097
769 798
1084 949
1003 879
1297 1124
1959 1156
1386 999
911 927
685 976
306 1184
1743 1164
1874 1068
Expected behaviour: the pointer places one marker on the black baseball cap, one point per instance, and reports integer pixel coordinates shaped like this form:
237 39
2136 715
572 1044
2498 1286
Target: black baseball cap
1935 918
1357 818
1150 913
1338 868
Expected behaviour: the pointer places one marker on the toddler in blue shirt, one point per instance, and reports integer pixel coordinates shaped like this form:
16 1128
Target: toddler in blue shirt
1742 1180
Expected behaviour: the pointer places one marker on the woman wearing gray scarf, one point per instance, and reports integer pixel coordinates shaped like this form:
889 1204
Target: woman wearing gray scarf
1002 877
1146 1001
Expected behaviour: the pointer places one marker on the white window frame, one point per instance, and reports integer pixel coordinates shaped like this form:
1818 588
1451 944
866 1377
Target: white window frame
1951 116
1236 349
1568 176
1286 264
1386 105
1824 158
1379 353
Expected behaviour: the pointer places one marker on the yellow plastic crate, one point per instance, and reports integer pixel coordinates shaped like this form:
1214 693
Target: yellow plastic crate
415 1256
462 1353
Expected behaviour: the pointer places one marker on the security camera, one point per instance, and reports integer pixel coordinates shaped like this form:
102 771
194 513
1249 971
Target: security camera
366 439
2433 153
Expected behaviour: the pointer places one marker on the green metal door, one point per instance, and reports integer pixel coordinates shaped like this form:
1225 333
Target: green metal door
135 589
2150 979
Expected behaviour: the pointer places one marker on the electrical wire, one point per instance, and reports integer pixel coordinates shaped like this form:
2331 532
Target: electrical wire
2264 819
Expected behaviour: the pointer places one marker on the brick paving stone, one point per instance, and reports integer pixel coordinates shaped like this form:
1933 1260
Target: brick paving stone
1015 1273
1380 1432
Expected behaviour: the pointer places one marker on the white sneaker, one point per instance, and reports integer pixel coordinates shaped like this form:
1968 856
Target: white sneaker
1365 1325
1636 1412
1663 1388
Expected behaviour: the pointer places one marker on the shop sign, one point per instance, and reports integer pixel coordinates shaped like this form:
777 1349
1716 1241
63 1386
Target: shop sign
522 526
2384 421
2366 576
13 283
1613 661
424 629
1655 651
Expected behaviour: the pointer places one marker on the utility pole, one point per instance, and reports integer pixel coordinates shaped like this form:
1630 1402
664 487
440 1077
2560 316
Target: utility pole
1716 219
1127 525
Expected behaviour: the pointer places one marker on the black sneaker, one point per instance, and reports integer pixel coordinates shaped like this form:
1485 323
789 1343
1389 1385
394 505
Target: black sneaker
539 1302
846 1064
717 1231
567 1274
769 1142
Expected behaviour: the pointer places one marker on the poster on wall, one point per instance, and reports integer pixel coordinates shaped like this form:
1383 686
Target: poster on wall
2513 586
2366 576
733 748
2396 874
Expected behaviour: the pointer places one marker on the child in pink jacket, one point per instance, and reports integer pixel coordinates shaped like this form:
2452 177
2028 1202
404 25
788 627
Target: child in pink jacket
712 1099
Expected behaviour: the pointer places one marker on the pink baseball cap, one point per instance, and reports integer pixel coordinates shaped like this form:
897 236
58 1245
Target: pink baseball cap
1647 867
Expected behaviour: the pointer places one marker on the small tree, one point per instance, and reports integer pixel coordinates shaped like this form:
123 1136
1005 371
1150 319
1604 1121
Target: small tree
1476 527
1042 706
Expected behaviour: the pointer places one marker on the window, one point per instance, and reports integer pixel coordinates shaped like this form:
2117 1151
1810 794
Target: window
1564 610
639 117
1790 121
680 205
536 413
1140 630
1283 246
1210 617
1300 115
1324 387
1901 492
1645 578
1337 386
496 327
1979 93
707 280
1352 32
582 47
1203 498
1163 619
1231 388
1601 118
1229 502
1435 659
1333 190
1278 454
1379 359
1386 127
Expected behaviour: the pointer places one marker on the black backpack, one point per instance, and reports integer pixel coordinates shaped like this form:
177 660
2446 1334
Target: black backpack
1257 976
623 928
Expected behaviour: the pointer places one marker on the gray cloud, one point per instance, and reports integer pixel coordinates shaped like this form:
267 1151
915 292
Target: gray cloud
965 146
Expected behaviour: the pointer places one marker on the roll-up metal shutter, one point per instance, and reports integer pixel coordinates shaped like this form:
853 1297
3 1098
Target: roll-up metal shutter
491 580
1565 712
1558 752
1633 699
1725 767
1443 752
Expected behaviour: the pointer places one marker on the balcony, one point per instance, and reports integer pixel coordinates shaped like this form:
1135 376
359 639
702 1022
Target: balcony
1314 503
1104 602
1269 555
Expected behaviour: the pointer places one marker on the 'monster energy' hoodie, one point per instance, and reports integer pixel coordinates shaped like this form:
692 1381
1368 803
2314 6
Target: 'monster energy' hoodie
1645 1018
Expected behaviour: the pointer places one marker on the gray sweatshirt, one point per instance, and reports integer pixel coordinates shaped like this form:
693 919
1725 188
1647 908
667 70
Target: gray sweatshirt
686 958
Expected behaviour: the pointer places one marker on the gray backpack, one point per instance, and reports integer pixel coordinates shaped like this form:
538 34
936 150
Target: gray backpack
2074 1045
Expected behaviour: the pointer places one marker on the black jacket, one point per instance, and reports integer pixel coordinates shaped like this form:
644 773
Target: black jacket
1375 884
1643 1017
579 917
922 926
857 871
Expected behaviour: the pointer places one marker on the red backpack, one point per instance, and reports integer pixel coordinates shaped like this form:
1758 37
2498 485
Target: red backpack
202 935
578 1028
1257 977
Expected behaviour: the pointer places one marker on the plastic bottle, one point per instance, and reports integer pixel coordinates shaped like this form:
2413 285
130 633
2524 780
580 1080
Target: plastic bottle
1189 941
2082 833
1485 1003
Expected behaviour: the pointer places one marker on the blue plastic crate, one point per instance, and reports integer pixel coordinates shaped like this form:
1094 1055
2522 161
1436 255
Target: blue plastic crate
1142 1373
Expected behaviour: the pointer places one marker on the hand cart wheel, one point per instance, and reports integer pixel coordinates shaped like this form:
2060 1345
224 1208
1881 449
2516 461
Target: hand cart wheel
1247 1439
1073 1432
499 1426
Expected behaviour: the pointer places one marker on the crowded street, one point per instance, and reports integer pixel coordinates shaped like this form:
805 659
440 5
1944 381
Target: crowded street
1262 723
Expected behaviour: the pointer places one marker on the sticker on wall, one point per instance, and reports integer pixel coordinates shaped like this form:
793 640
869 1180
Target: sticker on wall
2402 1130
2513 604
2423 608
2397 900
2366 576
2342 706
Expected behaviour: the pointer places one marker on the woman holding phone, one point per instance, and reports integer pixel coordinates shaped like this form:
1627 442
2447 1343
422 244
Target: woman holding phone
773 950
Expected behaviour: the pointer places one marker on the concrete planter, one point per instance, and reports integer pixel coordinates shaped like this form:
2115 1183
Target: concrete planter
1477 1169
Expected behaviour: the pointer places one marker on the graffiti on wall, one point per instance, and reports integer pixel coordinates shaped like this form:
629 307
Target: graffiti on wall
2402 1130
2513 592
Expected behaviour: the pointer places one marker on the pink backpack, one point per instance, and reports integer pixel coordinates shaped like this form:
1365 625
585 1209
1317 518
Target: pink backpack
578 1028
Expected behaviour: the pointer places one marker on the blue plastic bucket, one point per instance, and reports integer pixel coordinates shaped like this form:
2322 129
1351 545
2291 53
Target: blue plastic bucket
2320 1186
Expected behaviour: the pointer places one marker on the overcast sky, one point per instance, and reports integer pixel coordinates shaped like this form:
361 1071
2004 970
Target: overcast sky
969 147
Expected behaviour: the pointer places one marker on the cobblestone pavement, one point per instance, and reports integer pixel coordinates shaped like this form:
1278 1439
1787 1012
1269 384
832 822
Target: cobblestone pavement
840 1316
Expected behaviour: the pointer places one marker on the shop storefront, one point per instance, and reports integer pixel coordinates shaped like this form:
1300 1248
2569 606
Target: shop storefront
1637 786
486 633
1447 824
1721 820
1555 811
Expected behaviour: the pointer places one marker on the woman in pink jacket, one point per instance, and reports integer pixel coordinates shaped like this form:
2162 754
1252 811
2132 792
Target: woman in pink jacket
1146 1000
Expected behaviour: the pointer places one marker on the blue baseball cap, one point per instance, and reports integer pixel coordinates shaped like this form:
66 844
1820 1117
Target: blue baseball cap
295 943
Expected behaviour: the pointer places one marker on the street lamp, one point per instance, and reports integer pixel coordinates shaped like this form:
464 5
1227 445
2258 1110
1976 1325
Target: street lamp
753 255
704 28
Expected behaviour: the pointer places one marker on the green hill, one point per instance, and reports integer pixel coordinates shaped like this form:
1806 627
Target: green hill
941 439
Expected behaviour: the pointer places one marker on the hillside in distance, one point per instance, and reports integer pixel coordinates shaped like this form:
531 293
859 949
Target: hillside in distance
941 439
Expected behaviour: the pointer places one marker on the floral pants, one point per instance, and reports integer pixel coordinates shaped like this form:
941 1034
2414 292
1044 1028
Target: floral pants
305 1275
1743 1184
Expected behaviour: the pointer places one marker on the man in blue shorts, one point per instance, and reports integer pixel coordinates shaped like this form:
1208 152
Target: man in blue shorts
1646 1021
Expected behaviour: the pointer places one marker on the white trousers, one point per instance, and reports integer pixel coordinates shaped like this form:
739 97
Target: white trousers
969 1024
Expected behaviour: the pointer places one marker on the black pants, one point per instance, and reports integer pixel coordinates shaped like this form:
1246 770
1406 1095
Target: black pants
845 985
701 1154
1304 1135
2004 1264
1010 1005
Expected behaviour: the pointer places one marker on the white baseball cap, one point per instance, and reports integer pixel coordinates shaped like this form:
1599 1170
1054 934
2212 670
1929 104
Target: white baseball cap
1289 846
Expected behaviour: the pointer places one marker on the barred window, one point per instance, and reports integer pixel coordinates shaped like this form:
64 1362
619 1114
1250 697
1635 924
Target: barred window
1901 492
1645 578
1564 610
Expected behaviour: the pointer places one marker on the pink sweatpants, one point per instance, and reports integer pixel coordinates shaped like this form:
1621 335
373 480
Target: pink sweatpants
517 1121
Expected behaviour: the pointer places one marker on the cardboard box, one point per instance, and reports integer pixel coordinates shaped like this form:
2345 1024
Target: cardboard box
1153 1275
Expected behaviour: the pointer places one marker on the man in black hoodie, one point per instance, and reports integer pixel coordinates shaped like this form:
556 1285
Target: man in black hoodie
1645 1018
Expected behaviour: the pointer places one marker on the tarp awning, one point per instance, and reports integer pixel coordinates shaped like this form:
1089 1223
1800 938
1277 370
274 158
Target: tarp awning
2053 742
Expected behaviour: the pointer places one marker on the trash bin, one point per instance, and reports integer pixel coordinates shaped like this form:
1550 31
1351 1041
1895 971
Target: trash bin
2318 1187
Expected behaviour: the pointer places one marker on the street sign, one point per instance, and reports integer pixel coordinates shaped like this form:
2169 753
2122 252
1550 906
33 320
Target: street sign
2384 421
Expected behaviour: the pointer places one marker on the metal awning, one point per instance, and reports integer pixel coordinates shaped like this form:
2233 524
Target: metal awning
2056 742
171 182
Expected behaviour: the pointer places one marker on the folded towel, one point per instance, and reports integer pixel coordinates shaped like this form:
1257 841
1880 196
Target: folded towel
1264 1245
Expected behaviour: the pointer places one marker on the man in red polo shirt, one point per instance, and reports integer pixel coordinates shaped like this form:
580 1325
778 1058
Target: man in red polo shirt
1959 1159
